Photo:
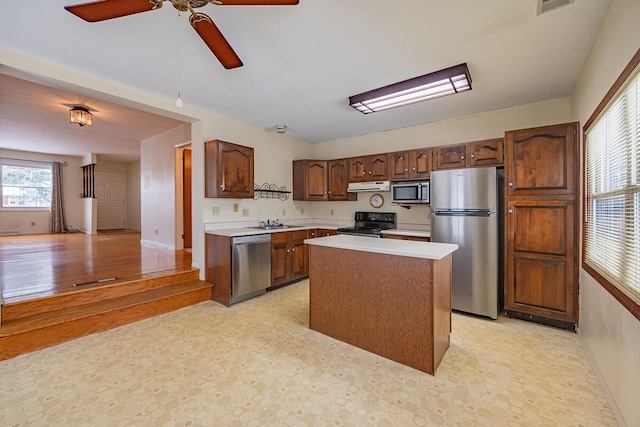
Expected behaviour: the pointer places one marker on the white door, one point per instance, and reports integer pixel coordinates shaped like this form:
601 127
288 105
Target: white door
110 192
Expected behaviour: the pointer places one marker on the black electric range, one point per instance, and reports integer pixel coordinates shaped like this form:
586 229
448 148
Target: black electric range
370 224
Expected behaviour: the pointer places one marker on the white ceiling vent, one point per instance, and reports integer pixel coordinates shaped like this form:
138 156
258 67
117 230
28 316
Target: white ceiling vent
547 5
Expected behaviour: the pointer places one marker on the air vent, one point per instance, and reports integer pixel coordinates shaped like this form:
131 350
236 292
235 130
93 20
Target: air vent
547 5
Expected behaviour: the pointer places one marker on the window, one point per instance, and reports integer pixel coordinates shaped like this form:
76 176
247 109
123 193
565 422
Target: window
25 185
612 191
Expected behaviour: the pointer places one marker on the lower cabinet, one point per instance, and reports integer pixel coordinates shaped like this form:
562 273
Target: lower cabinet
540 261
289 257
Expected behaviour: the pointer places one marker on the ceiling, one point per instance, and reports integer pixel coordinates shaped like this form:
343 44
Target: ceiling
301 63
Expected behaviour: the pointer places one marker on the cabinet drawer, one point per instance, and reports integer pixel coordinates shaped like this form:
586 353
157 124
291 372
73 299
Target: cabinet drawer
280 237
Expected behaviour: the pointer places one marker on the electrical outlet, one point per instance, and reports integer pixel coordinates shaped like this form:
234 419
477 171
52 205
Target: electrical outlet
331 212
33 223
284 212
156 231
245 212
301 211
235 207
215 210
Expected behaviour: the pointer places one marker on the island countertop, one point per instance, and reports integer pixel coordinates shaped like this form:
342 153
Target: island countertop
426 250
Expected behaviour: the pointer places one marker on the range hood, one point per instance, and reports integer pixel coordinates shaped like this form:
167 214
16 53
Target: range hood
359 187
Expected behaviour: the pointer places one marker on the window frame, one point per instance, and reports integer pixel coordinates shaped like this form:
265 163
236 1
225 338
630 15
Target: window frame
629 303
25 164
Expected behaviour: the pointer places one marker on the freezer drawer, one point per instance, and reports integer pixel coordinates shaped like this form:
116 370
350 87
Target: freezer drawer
474 279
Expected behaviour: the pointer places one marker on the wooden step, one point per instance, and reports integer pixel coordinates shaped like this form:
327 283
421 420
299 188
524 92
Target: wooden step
98 292
44 329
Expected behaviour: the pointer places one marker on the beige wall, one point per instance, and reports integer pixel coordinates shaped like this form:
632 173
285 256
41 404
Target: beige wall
158 186
611 334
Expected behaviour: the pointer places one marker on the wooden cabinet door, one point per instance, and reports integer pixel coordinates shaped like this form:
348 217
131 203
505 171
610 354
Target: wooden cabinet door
541 161
451 157
399 165
316 180
486 153
421 163
279 258
324 232
357 169
228 170
310 180
299 260
540 261
338 181
377 168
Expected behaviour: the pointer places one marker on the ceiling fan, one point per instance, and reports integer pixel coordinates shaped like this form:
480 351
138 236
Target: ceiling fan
204 26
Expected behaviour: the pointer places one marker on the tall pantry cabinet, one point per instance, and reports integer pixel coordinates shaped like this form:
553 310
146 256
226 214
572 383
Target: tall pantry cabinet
541 268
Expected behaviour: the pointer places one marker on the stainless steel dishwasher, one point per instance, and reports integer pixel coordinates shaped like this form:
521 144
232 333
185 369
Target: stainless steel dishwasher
250 266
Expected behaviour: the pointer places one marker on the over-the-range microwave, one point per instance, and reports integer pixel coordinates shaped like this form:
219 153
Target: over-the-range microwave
410 192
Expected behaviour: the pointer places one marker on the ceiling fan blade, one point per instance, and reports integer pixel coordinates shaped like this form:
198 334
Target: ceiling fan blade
212 36
259 2
108 9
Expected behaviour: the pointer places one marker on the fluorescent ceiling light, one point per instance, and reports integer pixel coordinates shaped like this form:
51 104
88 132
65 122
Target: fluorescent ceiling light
433 85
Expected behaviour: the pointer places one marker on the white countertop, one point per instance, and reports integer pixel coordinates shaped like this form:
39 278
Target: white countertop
248 231
427 250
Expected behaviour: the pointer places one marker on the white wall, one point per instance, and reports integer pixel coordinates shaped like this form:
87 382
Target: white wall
158 186
21 220
611 334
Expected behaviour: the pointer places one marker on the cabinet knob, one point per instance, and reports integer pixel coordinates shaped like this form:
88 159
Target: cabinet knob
510 211
414 168
221 186
293 250
511 184
461 157
369 172
473 156
287 250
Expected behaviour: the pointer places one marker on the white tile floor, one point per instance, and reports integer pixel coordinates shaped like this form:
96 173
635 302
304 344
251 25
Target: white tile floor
258 364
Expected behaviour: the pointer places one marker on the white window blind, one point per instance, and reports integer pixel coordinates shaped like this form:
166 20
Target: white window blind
612 167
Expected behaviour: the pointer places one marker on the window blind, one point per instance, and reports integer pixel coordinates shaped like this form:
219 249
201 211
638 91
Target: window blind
612 191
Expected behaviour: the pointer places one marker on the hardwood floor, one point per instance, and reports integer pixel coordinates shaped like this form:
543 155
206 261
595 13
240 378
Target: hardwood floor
35 266
60 287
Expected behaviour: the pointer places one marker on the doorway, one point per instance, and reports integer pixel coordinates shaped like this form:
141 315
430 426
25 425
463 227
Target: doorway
186 197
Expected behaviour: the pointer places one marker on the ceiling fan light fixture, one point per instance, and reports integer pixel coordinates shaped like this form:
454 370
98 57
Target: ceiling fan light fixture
80 116
441 83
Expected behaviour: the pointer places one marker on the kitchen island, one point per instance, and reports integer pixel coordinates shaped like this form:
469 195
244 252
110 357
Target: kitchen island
390 297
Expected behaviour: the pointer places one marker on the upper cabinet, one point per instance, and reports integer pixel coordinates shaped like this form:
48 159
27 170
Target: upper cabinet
228 170
407 165
338 180
486 153
321 180
368 168
450 157
472 154
541 161
310 180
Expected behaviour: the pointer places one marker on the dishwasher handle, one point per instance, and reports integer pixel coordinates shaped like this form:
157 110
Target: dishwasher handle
252 239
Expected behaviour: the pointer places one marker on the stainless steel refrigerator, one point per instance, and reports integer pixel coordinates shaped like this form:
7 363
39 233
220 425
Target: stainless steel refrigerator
464 210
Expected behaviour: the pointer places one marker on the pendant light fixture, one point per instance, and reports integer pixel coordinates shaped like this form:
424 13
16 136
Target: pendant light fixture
80 116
